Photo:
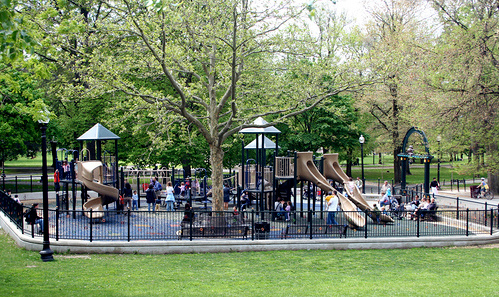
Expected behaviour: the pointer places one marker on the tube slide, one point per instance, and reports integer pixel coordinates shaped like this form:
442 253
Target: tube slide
306 170
332 170
90 174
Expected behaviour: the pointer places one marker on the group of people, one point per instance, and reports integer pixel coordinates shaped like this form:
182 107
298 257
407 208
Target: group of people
153 196
419 209
282 209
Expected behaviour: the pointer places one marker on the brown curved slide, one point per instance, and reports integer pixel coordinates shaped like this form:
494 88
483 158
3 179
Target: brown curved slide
306 170
90 174
332 170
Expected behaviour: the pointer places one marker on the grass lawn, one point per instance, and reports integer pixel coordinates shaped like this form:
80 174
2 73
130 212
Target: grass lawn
417 177
414 272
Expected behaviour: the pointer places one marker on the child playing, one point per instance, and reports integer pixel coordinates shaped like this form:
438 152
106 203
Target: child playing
135 201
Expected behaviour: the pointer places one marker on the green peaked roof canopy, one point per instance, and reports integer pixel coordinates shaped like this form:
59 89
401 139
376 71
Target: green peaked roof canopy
98 132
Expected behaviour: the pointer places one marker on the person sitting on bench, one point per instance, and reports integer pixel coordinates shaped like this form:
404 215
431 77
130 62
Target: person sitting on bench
32 217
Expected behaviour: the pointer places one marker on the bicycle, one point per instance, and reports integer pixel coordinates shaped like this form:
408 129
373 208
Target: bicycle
486 195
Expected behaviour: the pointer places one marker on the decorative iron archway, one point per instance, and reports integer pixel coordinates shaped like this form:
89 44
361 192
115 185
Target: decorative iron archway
409 154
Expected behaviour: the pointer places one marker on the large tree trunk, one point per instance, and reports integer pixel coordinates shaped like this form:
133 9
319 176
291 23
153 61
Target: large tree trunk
397 148
397 176
216 160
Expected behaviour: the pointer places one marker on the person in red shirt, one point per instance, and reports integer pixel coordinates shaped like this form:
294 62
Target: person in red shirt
57 180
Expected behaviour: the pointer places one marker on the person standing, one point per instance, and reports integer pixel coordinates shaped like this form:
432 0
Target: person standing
195 186
57 180
170 198
226 190
157 188
350 185
358 183
150 198
135 201
127 193
385 187
332 208
434 185
66 168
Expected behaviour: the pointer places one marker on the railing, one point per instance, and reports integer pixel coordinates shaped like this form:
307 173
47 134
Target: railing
166 225
12 209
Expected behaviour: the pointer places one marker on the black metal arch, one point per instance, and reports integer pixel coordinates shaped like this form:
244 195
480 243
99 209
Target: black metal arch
411 131
426 160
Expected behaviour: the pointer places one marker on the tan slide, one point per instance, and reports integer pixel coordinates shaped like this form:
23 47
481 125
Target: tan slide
332 170
90 174
306 170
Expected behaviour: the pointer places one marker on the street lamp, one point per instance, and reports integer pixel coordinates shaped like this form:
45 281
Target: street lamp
46 253
362 140
439 138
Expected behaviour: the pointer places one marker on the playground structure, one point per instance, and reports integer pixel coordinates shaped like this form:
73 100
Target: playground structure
255 176
262 176
90 174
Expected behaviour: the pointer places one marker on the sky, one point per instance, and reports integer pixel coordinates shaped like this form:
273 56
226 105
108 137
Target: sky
354 9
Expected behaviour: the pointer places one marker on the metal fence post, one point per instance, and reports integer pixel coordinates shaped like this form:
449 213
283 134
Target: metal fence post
491 221
191 216
311 224
31 183
365 226
138 189
467 221
17 191
253 224
417 228
22 223
57 223
128 220
457 204
91 222
485 219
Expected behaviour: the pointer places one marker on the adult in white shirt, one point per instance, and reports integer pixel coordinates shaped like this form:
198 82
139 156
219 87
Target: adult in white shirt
332 207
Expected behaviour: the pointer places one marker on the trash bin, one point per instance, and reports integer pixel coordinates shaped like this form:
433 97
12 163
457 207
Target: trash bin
262 230
474 191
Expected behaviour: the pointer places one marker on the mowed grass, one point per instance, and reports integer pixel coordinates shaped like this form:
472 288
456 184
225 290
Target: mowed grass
412 272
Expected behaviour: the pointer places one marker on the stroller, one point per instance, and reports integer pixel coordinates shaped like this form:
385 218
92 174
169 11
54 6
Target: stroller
397 210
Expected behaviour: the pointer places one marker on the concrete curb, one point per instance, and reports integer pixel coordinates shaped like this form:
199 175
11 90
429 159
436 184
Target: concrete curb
224 246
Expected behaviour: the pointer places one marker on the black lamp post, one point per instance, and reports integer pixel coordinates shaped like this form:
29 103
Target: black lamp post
46 253
439 138
362 140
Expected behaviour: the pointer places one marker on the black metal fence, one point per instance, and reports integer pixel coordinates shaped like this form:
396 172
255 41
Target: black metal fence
12 209
167 225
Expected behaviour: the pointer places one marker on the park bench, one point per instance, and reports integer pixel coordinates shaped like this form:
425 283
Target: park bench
323 230
232 231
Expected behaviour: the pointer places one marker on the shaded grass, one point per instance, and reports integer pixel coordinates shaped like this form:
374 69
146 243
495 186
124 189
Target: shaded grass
417 272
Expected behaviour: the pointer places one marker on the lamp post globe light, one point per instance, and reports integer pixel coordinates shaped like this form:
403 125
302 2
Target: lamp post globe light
439 138
362 140
46 253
